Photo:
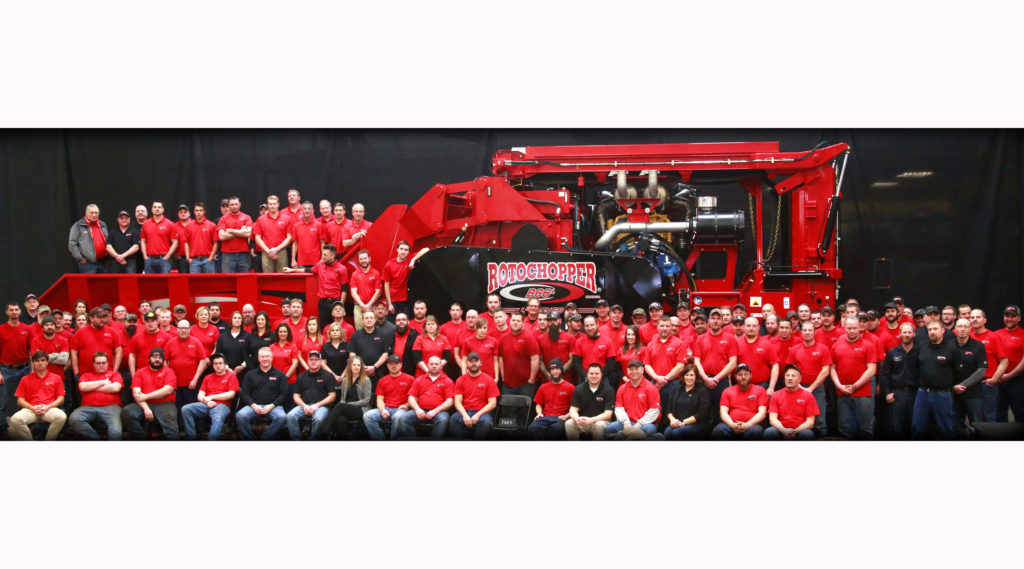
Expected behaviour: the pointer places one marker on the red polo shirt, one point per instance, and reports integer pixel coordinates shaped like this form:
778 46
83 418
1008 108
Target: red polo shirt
183 357
515 351
98 398
662 356
810 360
617 335
182 234
273 230
487 348
57 344
759 355
14 343
307 241
214 384
475 391
395 390
430 346
593 350
1012 344
782 347
550 350
637 400
283 356
366 283
554 398
743 404
397 276
851 361
158 236
331 232
206 336
330 278
149 381
201 237
143 342
89 340
993 350
235 244
793 407
37 390
714 351
429 394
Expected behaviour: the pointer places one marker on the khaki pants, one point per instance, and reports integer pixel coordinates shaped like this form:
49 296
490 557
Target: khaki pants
596 430
275 265
22 419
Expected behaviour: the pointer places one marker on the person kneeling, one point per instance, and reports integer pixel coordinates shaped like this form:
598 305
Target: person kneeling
792 411
742 408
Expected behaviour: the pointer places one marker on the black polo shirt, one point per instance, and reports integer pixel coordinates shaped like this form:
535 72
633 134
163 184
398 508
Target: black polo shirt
264 388
921 336
222 325
592 403
314 387
972 358
938 365
370 346
899 369
121 241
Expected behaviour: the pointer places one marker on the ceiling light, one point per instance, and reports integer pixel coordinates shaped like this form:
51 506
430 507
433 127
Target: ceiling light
884 184
921 174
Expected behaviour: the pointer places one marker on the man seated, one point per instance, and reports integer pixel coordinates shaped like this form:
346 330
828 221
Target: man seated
637 406
553 400
476 395
214 399
314 393
430 398
153 389
591 405
742 408
392 400
791 411
101 400
40 395
264 390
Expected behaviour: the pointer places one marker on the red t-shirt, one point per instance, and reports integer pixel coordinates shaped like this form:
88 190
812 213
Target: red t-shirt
296 328
688 334
182 233
618 336
851 360
206 336
782 347
87 341
306 344
417 324
201 237
793 407
714 351
593 350
56 345
549 350
183 357
516 350
475 391
330 278
743 404
993 349
149 381
625 358
98 398
648 331
487 348
214 384
1012 344
498 334
430 346
307 241
273 230
351 229
828 338
453 331
143 342
429 394
158 236
331 232
14 343
395 389
397 276
663 356
283 356
871 339
366 283
37 390
235 244
554 398
637 400
810 360
759 355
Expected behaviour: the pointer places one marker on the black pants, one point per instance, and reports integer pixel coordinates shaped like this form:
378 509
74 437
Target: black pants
324 308
339 417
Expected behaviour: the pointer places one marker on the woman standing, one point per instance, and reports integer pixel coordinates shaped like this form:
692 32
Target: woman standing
310 339
632 349
335 351
205 332
234 344
262 336
354 392
430 343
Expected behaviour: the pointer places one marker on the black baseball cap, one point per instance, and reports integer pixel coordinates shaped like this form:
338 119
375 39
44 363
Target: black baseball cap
655 306
393 359
602 302
898 300
182 207
555 363
1012 309
932 309
315 353
616 307
793 366
920 312
742 366
890 305
149 315
699 315
472 356
635 363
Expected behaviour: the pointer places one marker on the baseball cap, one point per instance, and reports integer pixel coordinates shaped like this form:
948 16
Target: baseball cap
337 303
683 304
131 316
738 305
932 309
123 213
571 305
602 302
180 307
49 319
635 363
898 300
575 317
737 320
639 312
30 295
555 363
43 308
106 307
473 356
150 315
717 311
315 353
1012 309
890 305
285 301
872 314
655 306
920 312
552 315
699 315
393 359
156 351
616 307
224 201
862 316
742 366
793 366
182 207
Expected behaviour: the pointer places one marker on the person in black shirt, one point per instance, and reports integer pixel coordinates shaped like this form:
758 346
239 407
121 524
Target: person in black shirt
123 245
335 350
931 314
371 346
234 344
260 335
688 408
263 393
898 381
314 393
593 402
938 369
967 397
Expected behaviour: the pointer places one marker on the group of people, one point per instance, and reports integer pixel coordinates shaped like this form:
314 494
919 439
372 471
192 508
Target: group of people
720 374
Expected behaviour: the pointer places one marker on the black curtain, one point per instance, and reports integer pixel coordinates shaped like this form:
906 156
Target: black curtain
950 237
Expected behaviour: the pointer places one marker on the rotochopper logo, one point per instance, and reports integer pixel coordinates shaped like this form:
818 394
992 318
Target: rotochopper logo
547 282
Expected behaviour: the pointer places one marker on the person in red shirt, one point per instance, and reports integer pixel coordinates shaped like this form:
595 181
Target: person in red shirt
742 408
518 359
418 317
552 400
39 395
430 398
214 400
57 347
234 230
532 316
815 362
355 233
687 332
428 344
272 234
181 228
332 280
201 242
153 390
785 340
145 340
758 353
364 285
500 328
453 328
101 401
614 328
15 339
392 400
305 233
649 330
294 209
309 340
637 407
829 332
855 362
286 354
476 396
792 411
159 241
665 356
483 344
994 358
395 278
591 347
715 355
203 331
555 344
1008 373
187 357
331 230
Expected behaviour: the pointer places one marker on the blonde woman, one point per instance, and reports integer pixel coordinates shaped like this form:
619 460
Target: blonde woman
354 392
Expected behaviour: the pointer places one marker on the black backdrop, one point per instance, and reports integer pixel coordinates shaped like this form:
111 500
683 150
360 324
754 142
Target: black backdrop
950 237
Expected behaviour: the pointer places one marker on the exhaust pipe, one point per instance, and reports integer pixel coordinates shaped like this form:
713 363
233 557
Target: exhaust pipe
660 227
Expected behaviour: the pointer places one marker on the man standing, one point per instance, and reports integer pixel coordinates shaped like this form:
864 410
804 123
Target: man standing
742 408
594 348
182 227
591 407
153 390
305 233
552 400
58 353
758 353
392 400
201 242
396 279
364 285
188 359
899 383
332 229
370 345
263 393
145 340
123 245
665 355
554 344
214 400
967 397
1011 385
354 234
95 338
994 355
476 396
430 398
159 241
101 400
234 230
15 340
481 343
87 241
271 232
649 330
331 279
518 359
637 406
715 356
791 411
855 365
938 370
39 395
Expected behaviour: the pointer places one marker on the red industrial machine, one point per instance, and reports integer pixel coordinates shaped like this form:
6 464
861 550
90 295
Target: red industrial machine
631 224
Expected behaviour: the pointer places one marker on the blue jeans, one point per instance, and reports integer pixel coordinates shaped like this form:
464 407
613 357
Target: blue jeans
245 415
235 262
901 411
547 429
966 408
372 419
157 266
989 402
292 420
481 430
931 406
616 427
193 411
91 268
773 434
715 396
821 421
857 417
723 432
406 424
686 432
133 418
80 420
8 402
201 266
